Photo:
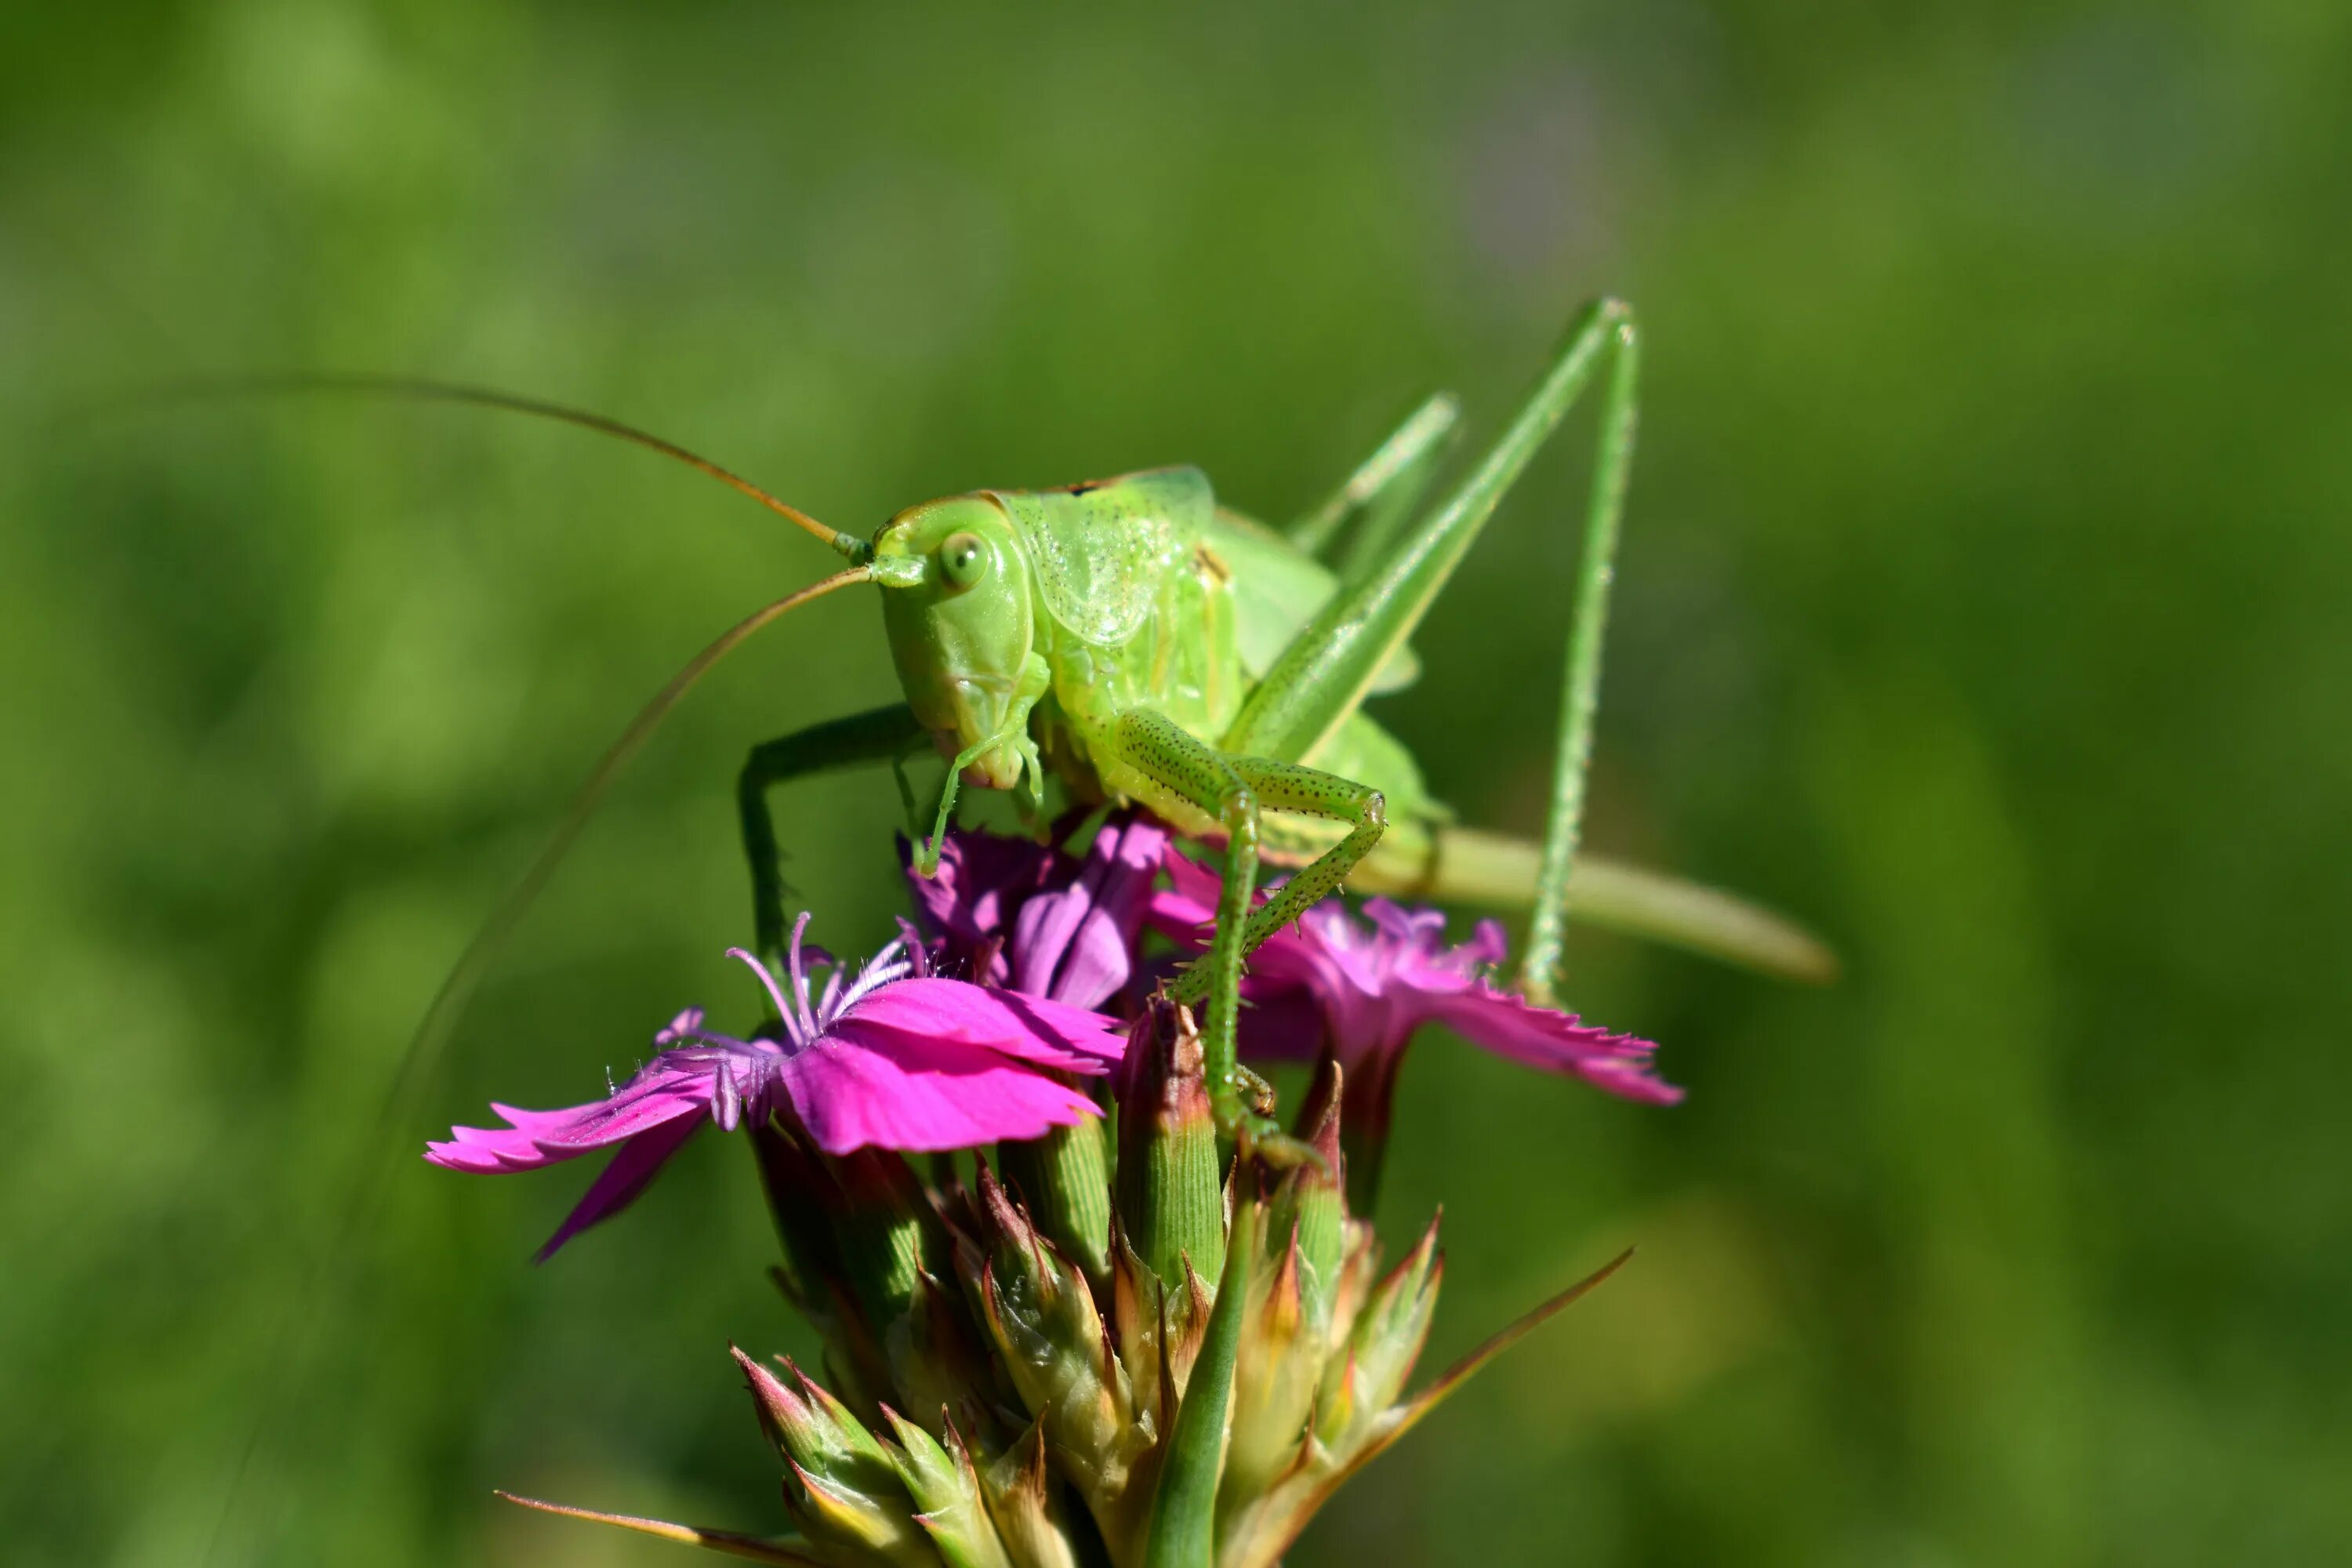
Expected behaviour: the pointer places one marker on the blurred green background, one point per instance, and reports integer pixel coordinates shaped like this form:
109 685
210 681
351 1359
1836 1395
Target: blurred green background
1983 601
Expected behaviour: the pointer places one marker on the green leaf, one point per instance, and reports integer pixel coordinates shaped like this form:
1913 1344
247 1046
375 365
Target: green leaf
1183 1530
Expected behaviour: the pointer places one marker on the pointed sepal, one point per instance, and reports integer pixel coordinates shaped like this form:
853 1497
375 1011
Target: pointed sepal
1384 1342
1275 1376
946 1490
1263 1531
1039 1312
1023 1498
756 1549
843 1484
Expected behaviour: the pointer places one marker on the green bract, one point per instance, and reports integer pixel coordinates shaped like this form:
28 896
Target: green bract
1031 1416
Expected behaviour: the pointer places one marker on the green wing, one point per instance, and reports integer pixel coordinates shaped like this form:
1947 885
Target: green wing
1277 588
1101 549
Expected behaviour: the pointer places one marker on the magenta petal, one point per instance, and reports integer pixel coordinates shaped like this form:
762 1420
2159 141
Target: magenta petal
535 1123
1375 983
922 1095
1186 907
620 1182
1076 944
1186 910
544 1137
1046 924
1557 1042
518 1146
1065 948
1030 1028
626 1115
918 1063
981 878
485 1150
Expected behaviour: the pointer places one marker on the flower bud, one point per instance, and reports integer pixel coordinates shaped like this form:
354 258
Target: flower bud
898 1335
801 1194
886 1231
1383 1345
1287 1337
1158 1331
1065 1178
1275 1374
843 1488
1024 1501
1040 1314
947 1495
937 1360
1310 1206
1171 1195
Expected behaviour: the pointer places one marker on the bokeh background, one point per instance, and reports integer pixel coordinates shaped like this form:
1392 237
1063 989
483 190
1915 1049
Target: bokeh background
1983 601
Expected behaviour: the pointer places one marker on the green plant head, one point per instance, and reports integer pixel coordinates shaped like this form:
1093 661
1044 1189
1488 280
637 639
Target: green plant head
956 604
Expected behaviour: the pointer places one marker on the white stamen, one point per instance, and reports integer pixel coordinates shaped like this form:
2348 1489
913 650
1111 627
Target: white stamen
876 977
800 980
880 970
775 993
805 1024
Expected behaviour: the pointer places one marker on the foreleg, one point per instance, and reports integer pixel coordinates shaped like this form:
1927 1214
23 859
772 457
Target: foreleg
882 734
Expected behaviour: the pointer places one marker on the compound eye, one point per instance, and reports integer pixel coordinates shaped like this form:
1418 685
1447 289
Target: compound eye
963 559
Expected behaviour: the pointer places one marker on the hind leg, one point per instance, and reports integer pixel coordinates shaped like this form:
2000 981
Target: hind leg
1167 761
1320 679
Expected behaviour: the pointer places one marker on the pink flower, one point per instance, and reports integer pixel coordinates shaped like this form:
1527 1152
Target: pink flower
1046 923
889 1058
1371 984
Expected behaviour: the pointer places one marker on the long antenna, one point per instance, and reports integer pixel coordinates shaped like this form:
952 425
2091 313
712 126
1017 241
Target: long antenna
849 544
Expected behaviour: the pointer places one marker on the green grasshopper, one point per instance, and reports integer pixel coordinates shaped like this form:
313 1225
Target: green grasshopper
1140 642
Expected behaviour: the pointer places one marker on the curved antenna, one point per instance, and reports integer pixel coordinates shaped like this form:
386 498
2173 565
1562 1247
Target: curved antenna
425 389
425 1048
441 1018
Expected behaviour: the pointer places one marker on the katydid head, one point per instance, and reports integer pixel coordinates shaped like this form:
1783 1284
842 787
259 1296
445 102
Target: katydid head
956 606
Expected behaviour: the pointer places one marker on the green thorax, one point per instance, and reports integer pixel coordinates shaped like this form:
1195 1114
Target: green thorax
1146 592
1135 607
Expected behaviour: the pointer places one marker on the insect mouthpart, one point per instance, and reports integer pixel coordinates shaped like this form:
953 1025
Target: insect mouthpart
979 714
